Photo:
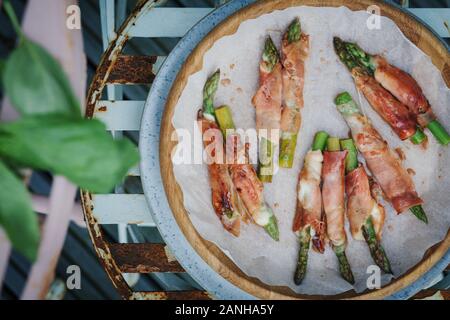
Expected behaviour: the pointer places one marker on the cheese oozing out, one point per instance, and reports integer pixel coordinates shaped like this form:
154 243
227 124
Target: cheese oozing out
263 215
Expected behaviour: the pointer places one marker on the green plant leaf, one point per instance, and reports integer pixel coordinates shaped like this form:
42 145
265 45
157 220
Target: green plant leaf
16 215
36 83
78 149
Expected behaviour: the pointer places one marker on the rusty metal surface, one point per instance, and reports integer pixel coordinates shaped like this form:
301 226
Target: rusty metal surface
102 249
172 295
111 55
143 258
431 292
129 70
115 68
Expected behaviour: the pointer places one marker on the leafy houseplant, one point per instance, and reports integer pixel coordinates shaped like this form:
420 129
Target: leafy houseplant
51 135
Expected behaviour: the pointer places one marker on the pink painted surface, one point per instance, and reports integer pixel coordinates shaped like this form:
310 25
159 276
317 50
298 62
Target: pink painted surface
45 23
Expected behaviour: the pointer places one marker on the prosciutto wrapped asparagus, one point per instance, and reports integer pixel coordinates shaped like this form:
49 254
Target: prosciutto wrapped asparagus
308 219
395 113
294 52
403 86
365 215
333 194
225 199
267 102
386 168
244 177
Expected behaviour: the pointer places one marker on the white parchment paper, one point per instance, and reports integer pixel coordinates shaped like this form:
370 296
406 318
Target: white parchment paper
405 238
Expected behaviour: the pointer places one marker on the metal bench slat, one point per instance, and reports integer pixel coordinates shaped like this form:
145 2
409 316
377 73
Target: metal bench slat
121 209
144 258
175 22
120 115
435 18
168 22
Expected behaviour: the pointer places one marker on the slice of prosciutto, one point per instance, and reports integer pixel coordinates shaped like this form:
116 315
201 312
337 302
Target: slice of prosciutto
246 181
309 199
225 199
267 102
333 193
294 56
405 88
385 166
386 105
361 205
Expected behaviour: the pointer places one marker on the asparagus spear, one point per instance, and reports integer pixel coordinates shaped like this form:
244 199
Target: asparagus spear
375 247
225 198
369 63
270 55
344 266
351 162
333 144
209 91
319 143
226 124
352 59
350 111
292 49
302 262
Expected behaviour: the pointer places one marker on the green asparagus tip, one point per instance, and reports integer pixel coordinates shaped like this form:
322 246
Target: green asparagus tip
209 91
343 98
439 132
419 213
270 55
345 57
344 266
419 137
294 31
272 228
302 262
346 105
376 249
320 141
362 58
333 144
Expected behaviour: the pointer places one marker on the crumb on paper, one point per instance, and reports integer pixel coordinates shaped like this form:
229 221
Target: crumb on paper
411 171
103 109
239 90
225 82
232 66
400 153
276 205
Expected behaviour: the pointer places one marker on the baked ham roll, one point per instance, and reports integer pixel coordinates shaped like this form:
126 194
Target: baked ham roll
405 88
386 105
361 205
267 102
333 194
385 166
225 199
309 199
